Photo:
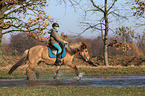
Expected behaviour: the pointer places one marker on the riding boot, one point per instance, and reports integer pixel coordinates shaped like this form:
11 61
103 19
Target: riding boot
58 59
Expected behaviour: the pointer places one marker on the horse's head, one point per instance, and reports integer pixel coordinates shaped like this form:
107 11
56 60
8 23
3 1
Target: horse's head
84 52
81 48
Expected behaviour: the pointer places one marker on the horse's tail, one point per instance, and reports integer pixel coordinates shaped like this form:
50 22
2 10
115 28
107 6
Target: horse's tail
20 62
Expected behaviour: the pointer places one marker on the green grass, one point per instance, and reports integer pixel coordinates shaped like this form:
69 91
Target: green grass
74 91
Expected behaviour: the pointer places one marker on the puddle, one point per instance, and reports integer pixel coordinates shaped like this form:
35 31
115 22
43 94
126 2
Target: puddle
91 81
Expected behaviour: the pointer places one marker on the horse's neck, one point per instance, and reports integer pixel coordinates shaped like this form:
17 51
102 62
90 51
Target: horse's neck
74 48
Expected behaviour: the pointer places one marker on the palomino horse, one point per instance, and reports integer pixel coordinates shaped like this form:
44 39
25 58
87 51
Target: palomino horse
40 53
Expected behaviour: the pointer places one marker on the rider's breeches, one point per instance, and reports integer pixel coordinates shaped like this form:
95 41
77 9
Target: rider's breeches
57 47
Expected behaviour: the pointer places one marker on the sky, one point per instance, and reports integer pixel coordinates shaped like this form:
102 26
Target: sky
69 19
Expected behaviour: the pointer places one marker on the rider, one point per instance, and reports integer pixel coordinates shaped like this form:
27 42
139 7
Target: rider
55 40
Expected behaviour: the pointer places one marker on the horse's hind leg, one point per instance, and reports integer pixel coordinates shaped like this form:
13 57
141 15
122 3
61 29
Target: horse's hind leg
55 76
36 72
29 68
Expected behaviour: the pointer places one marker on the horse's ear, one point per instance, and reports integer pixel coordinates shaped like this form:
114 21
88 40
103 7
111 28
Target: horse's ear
83 46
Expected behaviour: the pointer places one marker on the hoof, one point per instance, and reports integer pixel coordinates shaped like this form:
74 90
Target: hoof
81 75
77 78
54 77
37 75
27 78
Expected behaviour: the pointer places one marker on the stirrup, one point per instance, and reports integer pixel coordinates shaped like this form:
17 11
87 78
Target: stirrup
58 62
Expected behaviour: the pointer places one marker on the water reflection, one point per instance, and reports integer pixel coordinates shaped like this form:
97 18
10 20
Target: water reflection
91 81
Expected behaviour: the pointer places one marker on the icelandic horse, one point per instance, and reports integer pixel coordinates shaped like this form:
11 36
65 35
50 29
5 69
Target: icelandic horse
40 53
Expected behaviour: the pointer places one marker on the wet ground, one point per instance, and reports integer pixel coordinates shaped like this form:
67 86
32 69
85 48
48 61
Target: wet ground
91 81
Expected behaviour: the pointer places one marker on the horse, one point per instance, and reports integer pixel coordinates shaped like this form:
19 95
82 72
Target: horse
40 53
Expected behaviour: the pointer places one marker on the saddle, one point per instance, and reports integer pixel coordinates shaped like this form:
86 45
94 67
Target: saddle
53 51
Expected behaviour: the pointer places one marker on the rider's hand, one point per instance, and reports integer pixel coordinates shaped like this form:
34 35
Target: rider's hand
65 42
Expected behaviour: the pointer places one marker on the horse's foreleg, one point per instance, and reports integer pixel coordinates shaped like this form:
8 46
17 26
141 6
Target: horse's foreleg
55 76
76 71
75 68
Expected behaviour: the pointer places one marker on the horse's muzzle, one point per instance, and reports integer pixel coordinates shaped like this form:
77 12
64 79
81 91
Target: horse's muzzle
91 63
87 59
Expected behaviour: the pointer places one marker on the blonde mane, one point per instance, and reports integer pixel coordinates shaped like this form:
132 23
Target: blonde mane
75 45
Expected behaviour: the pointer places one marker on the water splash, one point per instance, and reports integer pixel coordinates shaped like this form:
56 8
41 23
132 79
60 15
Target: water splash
79 76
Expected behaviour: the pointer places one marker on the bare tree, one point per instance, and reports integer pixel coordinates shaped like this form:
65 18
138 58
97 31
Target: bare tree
102 25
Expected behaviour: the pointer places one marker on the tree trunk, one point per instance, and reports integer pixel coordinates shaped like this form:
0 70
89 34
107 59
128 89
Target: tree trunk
106 36
2 60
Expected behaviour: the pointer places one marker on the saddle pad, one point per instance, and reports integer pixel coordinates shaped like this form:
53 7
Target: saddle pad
52 55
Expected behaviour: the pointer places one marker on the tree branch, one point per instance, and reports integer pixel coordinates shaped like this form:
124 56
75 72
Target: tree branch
21 25
10 31
92 1
112 12
91 27
94 10
111 6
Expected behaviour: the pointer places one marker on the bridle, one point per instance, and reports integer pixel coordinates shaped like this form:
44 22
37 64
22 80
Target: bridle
84 56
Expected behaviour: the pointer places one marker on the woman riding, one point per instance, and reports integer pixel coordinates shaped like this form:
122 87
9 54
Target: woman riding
55 40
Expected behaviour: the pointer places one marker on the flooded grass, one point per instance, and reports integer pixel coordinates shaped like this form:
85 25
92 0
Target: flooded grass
91 81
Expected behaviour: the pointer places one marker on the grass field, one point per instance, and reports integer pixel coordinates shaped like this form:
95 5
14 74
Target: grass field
74 91
48 71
